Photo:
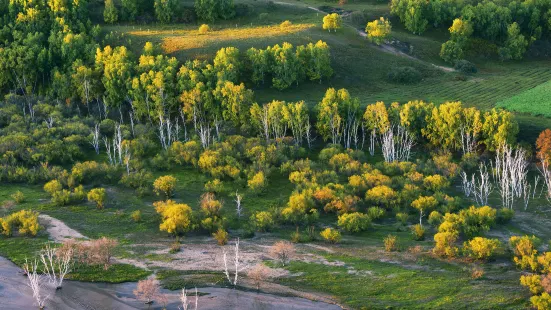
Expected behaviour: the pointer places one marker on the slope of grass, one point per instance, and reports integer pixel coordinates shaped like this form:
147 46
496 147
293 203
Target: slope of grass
536 101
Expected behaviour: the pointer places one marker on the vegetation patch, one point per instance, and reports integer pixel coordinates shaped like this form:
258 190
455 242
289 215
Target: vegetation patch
535 101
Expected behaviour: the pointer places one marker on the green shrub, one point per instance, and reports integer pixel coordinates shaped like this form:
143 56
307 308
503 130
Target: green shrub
354 222
504 215
375 213
18 196
465 66
136 216
262 221
435 218
404 75
402 218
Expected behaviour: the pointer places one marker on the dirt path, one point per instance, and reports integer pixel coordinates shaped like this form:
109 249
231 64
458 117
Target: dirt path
387 48
58 230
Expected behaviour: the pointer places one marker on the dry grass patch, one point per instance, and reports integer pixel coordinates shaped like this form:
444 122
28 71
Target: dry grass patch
185 39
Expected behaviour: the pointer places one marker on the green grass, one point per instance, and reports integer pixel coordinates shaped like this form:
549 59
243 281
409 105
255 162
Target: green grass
177 280
368 284
536 101
117 273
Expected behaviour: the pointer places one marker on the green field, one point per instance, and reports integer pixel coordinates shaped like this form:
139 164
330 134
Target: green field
536 101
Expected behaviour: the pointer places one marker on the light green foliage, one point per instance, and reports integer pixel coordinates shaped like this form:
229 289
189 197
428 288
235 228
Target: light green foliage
98 196
535 101
110 13
515 45
354 222
262 221
285 65
164 10
375 213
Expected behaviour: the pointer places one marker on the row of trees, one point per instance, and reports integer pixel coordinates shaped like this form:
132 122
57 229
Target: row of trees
448 126
167 11
513 25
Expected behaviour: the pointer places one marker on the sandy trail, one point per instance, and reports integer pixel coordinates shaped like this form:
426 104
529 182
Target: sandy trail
58 230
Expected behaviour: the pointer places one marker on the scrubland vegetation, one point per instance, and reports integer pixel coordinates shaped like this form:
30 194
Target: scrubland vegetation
344 149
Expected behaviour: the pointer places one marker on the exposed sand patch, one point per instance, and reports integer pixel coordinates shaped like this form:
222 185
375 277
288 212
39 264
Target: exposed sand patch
58 230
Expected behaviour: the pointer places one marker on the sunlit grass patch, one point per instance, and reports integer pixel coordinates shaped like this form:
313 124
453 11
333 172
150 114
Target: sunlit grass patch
185 39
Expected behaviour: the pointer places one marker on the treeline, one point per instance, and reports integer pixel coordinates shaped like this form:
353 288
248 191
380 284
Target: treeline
508 27
167 11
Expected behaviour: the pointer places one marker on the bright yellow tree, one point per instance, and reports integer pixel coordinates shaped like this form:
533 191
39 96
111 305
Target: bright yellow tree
378 30
165 185
176 217
332 22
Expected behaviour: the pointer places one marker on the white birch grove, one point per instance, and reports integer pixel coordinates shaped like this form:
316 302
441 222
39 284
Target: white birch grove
396 144
114 148
56 264
186 303
95 138
37 283
469 140
479 186
237 264
510 173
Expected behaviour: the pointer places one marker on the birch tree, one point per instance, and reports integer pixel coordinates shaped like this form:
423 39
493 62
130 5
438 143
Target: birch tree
376 121
297 117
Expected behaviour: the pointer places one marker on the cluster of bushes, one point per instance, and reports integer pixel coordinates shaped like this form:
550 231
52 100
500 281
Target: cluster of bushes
286 65
538 280
91 252
24 222
360 193
472 223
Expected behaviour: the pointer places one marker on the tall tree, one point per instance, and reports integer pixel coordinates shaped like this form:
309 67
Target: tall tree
284 67
110 12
